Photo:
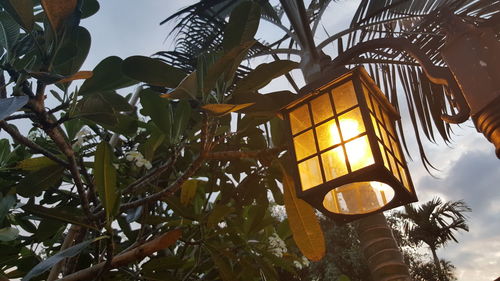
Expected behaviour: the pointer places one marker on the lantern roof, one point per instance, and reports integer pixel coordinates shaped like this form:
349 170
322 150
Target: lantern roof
332 76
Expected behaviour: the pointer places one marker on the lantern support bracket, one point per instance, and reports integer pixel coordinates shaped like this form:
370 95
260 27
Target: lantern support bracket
436 74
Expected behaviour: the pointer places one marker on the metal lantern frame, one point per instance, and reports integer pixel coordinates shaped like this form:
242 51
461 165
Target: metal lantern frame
380 170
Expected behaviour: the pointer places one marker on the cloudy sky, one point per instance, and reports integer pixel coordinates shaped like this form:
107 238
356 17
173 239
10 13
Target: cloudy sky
468 167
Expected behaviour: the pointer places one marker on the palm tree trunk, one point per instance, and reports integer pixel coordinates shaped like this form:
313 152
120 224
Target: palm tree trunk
437 263
380 250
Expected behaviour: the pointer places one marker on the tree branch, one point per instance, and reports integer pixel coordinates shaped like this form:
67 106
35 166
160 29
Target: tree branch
163 241
25 141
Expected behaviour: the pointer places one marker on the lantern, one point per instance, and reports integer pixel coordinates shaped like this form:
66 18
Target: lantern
347 158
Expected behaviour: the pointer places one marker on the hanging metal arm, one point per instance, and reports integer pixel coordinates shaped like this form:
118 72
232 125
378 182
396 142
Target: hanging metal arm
437 75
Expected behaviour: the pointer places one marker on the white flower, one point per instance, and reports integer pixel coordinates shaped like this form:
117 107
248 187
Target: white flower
80 137
32 135
138 158
297 264
277 246
305 261
301 263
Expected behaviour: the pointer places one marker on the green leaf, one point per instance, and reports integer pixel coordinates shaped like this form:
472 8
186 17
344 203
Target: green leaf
105 179
278 132
4 151
152 71
36 182
221 109
89 8
37 163
21 11
224 268
59 214
187 88
8 234
6 203
153 142
53 260
217 214
159 110
225 67
163 263
74 51
104 109
9 32
107 76
242 25
175 204
181 116
263 74
303 222
265 104
188 191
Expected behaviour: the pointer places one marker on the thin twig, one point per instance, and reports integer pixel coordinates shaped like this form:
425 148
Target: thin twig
170 190
25 141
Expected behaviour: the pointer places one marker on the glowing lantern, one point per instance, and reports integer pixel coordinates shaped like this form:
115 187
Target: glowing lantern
347 158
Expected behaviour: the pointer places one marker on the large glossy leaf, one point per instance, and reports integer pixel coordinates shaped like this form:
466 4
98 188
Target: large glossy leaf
107 76
4 151
218 213
242 26
182 115
6 202
303 222
188 191
263 74
159 110
8 234
59 214
224 268
74 51
53 260
33 164
221 109
36 182
11 105
105 179
104 109
9 32
264 104
225 67
152 71
21 11
187 88
89 8
58 11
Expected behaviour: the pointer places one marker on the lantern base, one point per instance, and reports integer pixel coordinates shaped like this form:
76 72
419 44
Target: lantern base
488 122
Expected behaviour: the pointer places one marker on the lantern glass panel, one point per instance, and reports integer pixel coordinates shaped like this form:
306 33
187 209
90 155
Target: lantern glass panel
321 108
310 173
304 145
328 134
344 97
351 124
359 153
358 198
299 119
334 163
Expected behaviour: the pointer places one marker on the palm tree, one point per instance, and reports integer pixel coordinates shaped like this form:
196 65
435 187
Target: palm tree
201 26
435 224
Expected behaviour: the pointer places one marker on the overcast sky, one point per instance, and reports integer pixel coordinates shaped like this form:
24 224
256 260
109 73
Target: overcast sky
469 169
